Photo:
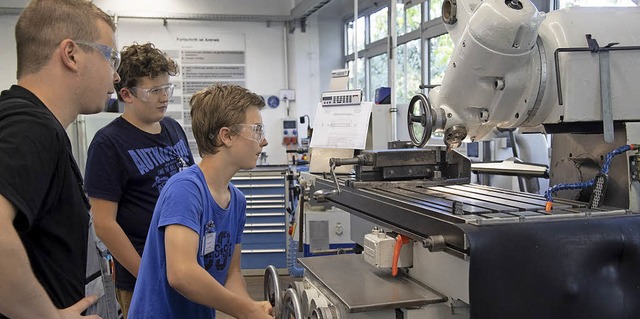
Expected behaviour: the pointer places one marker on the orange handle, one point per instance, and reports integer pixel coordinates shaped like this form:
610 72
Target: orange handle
400 240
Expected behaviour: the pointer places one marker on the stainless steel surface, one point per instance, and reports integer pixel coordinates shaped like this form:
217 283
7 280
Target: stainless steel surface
361 287
322 194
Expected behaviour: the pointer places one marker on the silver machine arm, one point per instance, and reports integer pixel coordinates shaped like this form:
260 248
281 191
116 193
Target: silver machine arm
514 67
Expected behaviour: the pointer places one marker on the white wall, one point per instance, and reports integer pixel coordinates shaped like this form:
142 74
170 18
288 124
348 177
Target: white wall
313 54
8 66
304 71
154 7
14 3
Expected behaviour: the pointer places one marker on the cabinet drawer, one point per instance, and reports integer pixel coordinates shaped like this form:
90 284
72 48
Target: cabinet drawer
249 190
249 247
264 208
262 182
274 237
261 258
256 179
265 217
257 201
259 197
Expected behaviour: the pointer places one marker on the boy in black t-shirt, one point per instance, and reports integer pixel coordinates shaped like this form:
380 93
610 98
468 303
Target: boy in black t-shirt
131 159
67 65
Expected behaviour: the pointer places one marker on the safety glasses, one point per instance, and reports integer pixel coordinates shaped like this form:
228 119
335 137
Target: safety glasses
156 92
257 131
111 54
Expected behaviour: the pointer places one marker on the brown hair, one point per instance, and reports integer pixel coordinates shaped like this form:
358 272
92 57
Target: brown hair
43 24
142 60
218 106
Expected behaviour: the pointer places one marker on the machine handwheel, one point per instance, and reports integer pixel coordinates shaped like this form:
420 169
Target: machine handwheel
324 313
272 292
292 309
420 120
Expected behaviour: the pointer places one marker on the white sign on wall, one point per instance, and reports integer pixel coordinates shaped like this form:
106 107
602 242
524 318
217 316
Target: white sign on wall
203 60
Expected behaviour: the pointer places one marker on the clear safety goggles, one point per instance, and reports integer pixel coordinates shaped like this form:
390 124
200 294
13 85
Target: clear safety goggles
156 92
111 54
257 131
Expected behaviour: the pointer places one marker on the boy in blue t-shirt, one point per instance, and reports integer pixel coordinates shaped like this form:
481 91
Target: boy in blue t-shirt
191 262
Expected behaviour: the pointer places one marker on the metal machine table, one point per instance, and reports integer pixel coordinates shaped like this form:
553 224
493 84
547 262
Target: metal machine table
361 287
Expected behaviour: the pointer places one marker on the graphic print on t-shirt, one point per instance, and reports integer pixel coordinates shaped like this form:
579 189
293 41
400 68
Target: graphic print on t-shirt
162 161
223 250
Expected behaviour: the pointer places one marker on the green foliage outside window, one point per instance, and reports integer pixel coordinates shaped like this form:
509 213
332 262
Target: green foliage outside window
408 77
378 25
378 73
349 39
407 20
361 74
435 9
440 50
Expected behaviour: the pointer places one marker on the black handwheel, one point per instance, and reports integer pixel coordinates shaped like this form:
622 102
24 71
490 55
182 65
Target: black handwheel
272 289
420 120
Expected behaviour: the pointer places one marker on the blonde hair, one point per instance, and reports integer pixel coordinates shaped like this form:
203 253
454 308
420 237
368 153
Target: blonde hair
218 106
45 23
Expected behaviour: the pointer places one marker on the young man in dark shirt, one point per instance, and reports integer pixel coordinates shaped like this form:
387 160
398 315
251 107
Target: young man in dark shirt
131 158
67 65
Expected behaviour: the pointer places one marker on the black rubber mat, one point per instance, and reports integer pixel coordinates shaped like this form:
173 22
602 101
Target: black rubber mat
587 268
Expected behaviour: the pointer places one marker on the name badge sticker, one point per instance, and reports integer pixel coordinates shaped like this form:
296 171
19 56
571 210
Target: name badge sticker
209 243
209 239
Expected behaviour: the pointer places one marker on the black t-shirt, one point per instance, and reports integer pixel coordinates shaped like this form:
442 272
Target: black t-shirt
129 166
39 176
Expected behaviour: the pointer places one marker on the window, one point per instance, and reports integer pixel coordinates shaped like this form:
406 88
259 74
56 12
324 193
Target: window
378 73
349 37
361 74
414 52
440 50
435 9
378 28
407 20
413 18
595 3
408 71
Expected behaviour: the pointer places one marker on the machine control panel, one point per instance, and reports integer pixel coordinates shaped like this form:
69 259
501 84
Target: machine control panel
338 98
290 133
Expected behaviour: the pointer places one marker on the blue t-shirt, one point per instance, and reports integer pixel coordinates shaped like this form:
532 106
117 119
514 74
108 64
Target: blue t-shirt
129 166
186 200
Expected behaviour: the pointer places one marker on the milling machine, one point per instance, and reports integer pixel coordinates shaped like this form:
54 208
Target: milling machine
470 251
